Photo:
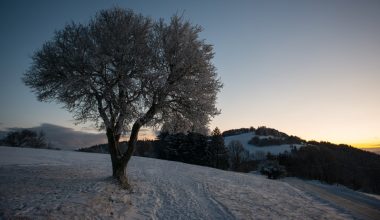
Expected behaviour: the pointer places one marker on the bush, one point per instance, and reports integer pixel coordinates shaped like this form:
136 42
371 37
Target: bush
247 166
272 169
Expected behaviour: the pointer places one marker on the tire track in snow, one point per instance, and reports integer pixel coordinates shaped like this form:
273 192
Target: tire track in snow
222 210
349 203
174 196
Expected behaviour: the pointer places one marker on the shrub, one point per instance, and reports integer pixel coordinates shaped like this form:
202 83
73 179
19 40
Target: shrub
272 169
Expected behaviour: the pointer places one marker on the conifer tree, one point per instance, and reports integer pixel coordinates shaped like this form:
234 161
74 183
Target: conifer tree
218 151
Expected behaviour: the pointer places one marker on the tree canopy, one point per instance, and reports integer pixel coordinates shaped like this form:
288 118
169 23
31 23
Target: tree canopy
124 71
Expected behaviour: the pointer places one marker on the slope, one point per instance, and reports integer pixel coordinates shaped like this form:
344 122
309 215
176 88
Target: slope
37 183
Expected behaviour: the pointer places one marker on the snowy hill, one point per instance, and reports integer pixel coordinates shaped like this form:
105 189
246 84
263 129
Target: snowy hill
245 137
36 183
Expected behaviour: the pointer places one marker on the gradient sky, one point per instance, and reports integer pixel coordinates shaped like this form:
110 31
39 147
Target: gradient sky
308 68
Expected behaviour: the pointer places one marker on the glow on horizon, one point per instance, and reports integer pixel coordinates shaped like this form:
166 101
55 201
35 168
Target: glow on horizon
307 68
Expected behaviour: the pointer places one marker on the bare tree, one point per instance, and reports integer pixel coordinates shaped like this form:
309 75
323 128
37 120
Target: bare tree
237 154
124 71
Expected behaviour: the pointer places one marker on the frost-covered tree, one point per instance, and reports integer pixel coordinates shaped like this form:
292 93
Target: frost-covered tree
124 71
179 124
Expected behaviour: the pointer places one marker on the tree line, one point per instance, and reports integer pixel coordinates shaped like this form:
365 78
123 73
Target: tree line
26 138
192 148
261 142
238 131
331 163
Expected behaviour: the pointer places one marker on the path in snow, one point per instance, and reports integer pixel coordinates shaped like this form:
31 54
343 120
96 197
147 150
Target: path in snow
357 204
45 184
192 192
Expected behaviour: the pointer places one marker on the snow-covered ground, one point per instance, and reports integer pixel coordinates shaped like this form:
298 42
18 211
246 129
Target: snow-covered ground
357 204
47 184
246 137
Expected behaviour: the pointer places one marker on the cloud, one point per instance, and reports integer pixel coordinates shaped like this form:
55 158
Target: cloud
89 129
67 138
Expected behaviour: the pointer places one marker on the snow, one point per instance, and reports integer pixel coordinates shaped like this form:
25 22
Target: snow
341 190
246 137
51 184
354 203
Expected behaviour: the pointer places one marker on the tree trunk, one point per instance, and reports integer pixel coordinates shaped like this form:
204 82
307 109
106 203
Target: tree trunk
132 141
118 162
119 171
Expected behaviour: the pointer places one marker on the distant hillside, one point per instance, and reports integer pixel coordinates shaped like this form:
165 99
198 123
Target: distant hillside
145 148
375 150
258 151
260 131
101 148
263 140
355 168
327 162
331 163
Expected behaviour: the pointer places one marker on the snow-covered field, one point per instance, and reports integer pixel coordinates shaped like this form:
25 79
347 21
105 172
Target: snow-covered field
245 137
47 184
357 204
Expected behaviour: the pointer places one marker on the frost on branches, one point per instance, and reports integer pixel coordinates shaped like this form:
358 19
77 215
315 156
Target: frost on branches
124 71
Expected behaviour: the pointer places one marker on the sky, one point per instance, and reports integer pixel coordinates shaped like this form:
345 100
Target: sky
307 68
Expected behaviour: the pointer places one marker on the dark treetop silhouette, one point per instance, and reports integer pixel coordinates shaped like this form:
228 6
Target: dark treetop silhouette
124 71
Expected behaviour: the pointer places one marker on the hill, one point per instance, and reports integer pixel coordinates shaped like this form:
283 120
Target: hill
323 161
45 184
262 140
244 139
375 150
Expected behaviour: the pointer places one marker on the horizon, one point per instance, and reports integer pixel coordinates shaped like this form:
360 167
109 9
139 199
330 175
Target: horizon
70 139
309 69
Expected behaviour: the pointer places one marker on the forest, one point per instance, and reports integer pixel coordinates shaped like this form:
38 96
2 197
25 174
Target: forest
334 164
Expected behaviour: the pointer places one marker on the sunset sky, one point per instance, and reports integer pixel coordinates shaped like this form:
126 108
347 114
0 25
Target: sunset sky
307 68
